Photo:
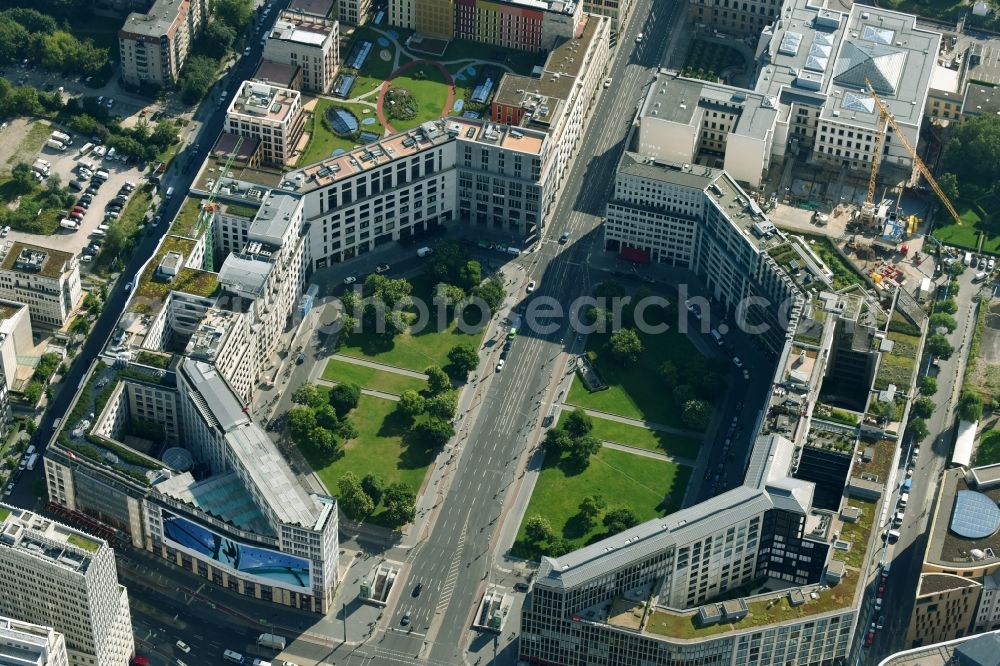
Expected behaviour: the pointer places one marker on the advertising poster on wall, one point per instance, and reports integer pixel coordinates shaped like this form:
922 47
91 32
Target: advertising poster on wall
262 565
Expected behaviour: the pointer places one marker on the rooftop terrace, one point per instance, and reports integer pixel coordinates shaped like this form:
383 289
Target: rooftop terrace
35 260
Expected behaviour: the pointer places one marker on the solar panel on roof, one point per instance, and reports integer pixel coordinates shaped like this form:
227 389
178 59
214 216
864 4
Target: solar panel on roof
976 515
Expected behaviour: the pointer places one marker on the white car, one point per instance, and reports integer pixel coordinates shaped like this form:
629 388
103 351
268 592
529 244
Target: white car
737 362
500 365
531 286
246 51
111 102
350 279
183 647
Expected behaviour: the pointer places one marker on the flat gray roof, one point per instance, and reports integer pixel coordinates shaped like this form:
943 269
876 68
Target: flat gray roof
246 275
272 476
219 401
690 175
683 100
651 537
156 22
833 53
273 218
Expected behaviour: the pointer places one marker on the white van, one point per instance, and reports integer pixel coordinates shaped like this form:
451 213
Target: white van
904 498
170 193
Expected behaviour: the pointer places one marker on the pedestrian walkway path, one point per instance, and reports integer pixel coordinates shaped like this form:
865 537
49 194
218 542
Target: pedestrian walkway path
646 453
648 425
379 366
366 391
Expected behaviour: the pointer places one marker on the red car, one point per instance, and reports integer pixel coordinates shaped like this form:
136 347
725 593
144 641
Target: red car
869 639
76 215
881 591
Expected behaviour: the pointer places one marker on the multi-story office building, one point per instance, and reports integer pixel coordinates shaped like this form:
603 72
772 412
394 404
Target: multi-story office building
59 577
689 121
46 280
698 218
271 114
810 98
25 643
526 25
557 101
978 650
958 591
317 8
212 473
413 182
814 63
155 45
617 11
354 12
309 43
434 18
735 17
646 593
15 340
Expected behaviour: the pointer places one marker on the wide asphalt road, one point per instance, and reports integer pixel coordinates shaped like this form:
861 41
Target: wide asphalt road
453 564
180 179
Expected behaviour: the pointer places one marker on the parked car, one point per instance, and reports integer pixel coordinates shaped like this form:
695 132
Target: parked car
382 268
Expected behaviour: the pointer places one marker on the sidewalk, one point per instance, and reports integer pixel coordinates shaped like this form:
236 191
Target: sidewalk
379 366
469 401
646 453
648 425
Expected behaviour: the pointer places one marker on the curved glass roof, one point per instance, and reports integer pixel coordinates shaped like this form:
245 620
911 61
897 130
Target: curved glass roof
976 516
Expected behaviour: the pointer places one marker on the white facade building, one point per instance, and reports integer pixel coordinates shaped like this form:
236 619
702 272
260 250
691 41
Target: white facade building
309 42
59 577
269 113
28 644
46 280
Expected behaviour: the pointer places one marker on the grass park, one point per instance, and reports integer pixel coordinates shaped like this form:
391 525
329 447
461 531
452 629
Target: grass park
345 372
429 91
977 223
413 350
380 448
649 487
634 391
988 450
323 140
642 438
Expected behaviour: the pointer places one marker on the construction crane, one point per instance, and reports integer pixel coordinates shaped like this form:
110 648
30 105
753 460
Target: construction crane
919 163
208 208
868 209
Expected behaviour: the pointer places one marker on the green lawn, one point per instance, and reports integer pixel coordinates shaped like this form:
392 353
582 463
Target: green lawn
988 451
379 448
371 378
322 141
428 87
520 62
634 391
979 218
652 440
375 69
649 487
413 350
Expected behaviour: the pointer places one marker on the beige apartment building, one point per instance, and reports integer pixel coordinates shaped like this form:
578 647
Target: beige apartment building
154 46
310 43
46 280
269 113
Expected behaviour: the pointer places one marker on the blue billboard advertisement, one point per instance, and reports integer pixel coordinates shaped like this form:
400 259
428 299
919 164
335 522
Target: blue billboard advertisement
262 565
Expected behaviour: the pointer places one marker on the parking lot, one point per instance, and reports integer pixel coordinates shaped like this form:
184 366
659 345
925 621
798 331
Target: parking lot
65 164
